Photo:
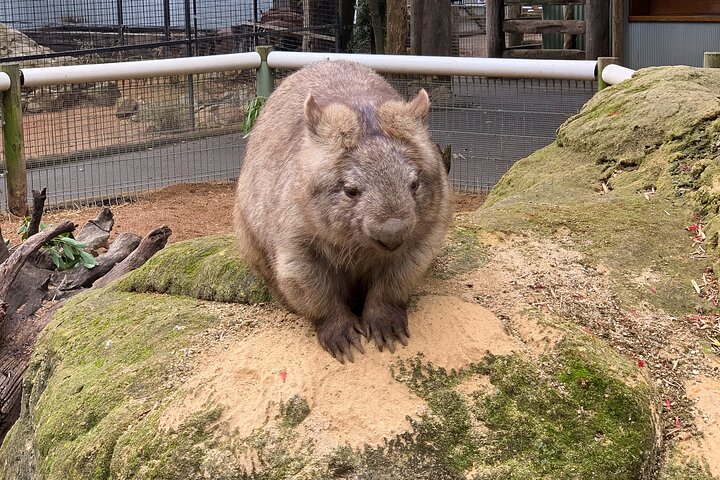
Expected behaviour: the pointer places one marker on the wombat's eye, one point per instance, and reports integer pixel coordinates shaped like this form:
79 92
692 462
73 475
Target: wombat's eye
351 192
414 185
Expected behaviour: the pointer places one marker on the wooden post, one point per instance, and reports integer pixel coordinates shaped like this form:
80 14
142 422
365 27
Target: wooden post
306 26
494 28
14 143
264 83
514 12
711 60
597 34
618 29
601 64
396 20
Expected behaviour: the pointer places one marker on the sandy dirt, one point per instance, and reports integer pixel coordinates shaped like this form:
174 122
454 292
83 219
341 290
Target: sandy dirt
705 391
355 404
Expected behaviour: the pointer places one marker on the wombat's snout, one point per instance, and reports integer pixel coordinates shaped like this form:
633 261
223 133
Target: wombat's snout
391 233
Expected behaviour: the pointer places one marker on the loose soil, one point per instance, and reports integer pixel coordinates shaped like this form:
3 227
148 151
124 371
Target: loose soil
357 403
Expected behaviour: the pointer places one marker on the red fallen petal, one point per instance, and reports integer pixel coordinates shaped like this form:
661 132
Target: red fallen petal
668 407
653 289
678 424
693 228
640 363
283 375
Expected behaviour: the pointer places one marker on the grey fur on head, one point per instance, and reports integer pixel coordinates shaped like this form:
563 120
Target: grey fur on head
343 202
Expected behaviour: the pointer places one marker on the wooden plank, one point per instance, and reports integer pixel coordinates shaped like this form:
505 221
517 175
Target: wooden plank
494 27
675 18
597 34
544 2
545 54
544 26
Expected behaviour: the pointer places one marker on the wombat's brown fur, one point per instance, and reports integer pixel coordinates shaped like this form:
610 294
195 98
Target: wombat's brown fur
342 202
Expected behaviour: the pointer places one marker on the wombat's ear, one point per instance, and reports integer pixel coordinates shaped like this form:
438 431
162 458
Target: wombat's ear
419 107
312 114
405 120
335 126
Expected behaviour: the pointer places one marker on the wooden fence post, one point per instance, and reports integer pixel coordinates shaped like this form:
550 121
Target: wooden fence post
603 62
494 33
711 60
597 29
14 143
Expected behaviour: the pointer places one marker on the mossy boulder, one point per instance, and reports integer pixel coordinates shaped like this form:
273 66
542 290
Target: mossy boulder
541 342
107 396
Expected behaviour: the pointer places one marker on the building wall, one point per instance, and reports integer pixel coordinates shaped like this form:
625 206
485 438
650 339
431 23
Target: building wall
669 43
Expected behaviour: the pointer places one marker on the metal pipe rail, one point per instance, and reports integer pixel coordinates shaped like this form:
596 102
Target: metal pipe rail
425 65
4 82
614 74
43 76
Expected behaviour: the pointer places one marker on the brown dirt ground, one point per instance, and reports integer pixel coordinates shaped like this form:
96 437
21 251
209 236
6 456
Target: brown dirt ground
190 210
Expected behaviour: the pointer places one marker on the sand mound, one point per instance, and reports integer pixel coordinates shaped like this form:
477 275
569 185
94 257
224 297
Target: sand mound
353 404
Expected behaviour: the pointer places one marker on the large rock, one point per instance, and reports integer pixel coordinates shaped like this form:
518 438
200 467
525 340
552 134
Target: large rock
558 336
128 384
14 43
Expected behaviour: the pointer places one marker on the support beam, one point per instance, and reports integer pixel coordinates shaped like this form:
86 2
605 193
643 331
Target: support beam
597 35
495 35
618 29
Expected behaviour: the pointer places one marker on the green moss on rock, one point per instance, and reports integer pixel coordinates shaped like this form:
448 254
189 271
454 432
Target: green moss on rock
461 253
653 143
207 268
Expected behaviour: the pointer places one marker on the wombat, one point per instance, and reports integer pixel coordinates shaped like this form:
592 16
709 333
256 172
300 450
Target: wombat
342 202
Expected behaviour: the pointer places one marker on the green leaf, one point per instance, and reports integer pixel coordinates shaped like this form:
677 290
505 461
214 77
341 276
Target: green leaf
68 252
88 261
55 257
70 241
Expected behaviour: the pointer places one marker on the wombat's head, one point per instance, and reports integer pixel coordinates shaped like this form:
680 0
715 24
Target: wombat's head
374 177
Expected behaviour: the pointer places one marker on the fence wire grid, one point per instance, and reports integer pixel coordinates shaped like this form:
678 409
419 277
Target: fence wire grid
104 141
108 140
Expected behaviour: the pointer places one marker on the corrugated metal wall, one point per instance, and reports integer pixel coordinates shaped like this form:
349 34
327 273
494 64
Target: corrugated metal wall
669 43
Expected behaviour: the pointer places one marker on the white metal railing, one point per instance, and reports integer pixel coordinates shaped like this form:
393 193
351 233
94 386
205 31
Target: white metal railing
614 74
42 76
4 82
401 64
484 67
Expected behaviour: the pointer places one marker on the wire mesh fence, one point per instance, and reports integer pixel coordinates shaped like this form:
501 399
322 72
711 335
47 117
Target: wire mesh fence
491 122
52 32
107 140
110 140
129 137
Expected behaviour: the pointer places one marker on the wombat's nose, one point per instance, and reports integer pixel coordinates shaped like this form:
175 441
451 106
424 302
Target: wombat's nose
391 233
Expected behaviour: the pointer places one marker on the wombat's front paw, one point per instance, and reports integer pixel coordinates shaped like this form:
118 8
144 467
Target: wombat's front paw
386 323
336 335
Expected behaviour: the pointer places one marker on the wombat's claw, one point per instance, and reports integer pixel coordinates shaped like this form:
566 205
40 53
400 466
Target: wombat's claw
356 342
363 330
